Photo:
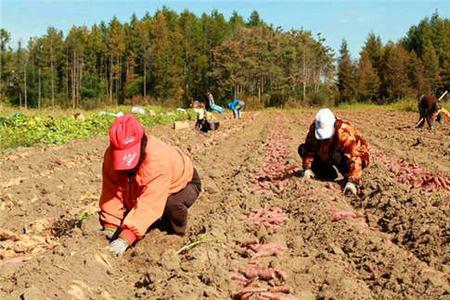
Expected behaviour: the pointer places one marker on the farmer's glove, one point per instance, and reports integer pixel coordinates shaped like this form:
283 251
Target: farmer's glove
350 187
118 246
308 173
108 232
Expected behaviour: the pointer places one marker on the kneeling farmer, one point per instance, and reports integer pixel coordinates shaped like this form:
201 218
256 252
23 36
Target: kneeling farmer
144 179
334 142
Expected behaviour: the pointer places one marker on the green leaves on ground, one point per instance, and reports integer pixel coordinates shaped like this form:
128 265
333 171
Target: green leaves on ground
22 130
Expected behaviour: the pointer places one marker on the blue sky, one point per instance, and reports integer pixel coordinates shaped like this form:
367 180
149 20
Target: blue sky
336 20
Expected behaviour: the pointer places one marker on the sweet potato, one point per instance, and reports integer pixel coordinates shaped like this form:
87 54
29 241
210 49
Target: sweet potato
13 261
280 289
8 235
268 217
266 274
338 215
275 296
251 289
264 293
238 277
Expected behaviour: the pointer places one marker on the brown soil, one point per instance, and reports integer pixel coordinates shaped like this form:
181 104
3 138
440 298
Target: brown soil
393 241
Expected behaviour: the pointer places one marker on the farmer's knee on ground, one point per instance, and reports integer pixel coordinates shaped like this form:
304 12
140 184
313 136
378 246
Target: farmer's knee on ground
301 150
175 207
337 158
190 194
176 213
324 170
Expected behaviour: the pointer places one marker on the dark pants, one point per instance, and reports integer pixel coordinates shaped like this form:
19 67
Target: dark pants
206 126
326 170
176 210
427 112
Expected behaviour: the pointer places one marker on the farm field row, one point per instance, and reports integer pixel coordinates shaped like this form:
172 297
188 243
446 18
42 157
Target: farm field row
258 231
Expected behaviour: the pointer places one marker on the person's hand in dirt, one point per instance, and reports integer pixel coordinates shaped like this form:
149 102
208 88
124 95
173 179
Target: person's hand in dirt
118 246
350 187
308 174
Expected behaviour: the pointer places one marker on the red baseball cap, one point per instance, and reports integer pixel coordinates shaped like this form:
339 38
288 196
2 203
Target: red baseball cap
125 136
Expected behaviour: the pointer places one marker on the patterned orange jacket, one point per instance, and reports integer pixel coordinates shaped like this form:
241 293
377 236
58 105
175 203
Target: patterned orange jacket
136 203
346 140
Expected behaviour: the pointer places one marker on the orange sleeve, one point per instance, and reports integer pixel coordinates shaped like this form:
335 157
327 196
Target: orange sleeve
355 172
355 148
309 149
111 201
444 112
150 204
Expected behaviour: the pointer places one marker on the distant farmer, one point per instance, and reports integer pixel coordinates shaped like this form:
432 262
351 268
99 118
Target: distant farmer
205 120
144 179
210 104
236 106
430 109
334 142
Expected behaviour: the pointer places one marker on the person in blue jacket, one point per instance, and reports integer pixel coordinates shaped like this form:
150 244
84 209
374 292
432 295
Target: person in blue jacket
236 106
210 104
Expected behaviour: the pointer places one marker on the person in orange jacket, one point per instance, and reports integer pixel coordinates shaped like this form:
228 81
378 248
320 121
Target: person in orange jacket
144 179
334 142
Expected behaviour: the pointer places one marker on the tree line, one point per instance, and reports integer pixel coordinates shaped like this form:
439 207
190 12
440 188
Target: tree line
417 64
172 58
169 58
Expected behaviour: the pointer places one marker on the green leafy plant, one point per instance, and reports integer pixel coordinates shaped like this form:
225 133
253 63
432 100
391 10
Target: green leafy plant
83 216
192 244
19 129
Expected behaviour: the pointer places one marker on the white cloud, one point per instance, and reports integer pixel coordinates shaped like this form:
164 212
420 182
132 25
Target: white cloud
360 19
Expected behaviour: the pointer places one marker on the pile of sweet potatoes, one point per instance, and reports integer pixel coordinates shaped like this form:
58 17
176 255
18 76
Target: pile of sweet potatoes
412 174
268 216
274 174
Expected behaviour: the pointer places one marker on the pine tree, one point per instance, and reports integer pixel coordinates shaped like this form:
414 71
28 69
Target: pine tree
75 46
255 20
6 65
395 83
37 62
368 82
417 76
160 60
236 21
131 56
52 47
373 47
191 31
143 29
431 62
21 74
93 84
445 72
346 78
116 47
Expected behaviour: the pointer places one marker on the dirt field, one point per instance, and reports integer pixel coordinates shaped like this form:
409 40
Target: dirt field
262 231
